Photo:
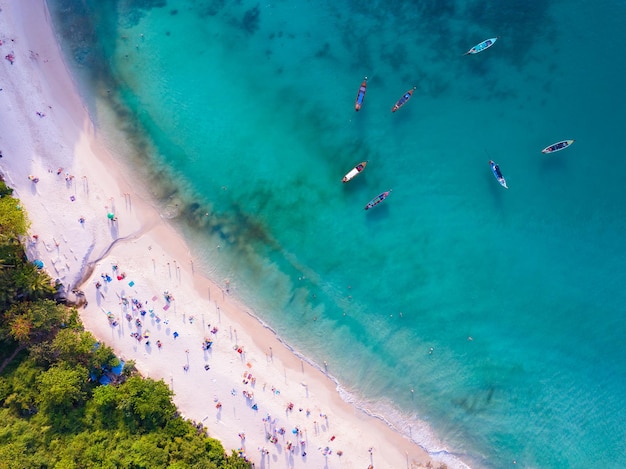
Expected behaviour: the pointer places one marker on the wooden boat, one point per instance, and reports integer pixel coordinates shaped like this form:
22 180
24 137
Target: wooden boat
495 169
354 171
558 146
378 199
360 96
486 44
403 99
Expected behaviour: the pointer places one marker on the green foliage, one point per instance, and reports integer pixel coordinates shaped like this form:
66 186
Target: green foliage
101 411
74 348
13 221
99 437
235 462
146 404
73 320
31 283
40 319
19 279
21 328
129 369
19 392
61 388
102 360
4 189
8 289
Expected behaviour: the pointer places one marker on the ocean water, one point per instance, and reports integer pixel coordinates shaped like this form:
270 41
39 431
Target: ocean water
479 321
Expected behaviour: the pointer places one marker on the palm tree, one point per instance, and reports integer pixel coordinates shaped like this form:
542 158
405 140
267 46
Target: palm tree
32 283
8 290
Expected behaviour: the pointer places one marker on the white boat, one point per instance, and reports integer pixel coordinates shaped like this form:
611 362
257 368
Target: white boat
558 146
354 171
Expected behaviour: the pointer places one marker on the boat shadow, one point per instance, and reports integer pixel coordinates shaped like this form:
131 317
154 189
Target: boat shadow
357 185
553 163
377 214
497 194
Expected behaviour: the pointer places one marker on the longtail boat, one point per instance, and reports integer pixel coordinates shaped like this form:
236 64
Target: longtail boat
354 171
360 95
486 44
378 199
403 99
495 169
558 146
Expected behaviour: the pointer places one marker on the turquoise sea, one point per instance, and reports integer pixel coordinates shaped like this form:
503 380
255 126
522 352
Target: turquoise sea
480 321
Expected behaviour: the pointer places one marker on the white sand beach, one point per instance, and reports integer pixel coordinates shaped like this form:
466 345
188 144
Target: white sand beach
247 382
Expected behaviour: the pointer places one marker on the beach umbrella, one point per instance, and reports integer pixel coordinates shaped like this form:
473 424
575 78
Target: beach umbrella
110 215
38 263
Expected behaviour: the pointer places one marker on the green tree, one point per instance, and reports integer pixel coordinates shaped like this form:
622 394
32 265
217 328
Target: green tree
129 369
8 290
19 279
13 226
4 189
13 221
61 388
102 411
20 329
19 392
102 359
146 404
235 462
73 348
31 283
41 318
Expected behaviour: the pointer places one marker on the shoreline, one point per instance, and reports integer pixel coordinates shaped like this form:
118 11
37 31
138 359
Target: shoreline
54 131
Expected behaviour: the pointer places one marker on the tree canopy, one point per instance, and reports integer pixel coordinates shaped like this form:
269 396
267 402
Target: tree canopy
19 278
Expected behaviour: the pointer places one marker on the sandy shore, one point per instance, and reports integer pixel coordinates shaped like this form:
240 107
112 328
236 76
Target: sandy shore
145 299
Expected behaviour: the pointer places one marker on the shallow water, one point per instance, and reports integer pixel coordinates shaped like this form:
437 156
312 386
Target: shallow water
484 318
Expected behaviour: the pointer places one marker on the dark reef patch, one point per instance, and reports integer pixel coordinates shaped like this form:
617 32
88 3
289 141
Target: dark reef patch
323 51
210 8
394 57
251 20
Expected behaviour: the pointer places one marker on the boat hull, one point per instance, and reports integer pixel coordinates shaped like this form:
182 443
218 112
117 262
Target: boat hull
354 171
495 169
378 199
360 96
486 44
558 146
402 101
